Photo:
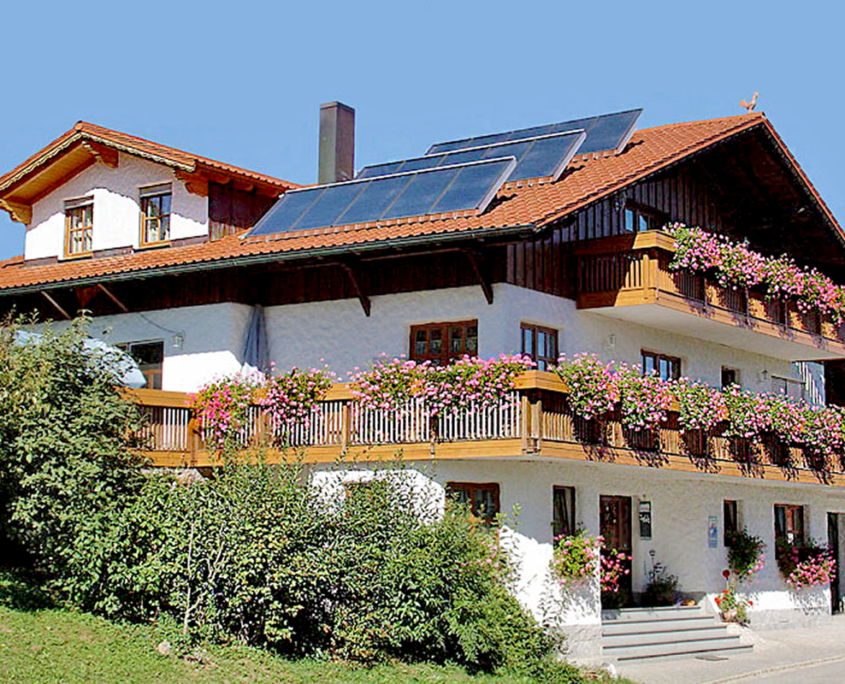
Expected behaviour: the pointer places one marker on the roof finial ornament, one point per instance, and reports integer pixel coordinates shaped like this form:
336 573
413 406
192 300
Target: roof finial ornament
749 105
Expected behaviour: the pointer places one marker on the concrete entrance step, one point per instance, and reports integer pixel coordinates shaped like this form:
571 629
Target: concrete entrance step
623 639
651 614
672 632
645 625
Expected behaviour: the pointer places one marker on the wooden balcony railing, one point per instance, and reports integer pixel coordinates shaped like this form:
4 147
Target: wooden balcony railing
634 269
533 421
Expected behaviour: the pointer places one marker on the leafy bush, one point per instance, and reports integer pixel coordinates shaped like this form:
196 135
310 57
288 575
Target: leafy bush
259 556
662 587
65 440
255 554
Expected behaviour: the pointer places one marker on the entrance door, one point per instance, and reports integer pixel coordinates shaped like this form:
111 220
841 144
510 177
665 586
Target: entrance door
833 544
615 512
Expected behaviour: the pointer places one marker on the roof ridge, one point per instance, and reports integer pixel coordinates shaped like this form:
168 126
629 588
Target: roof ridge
143 146
88 127
697 122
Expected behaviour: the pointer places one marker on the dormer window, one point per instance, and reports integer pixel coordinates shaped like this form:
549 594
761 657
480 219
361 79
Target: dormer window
79 227
155 214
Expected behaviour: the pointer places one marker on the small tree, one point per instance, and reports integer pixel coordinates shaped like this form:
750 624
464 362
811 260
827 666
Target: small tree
65 438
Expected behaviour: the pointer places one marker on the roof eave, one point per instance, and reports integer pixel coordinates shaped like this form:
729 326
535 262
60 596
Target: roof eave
272 257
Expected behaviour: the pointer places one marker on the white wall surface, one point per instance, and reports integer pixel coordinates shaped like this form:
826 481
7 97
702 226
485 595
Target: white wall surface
117 208
681 507
339 332
212 343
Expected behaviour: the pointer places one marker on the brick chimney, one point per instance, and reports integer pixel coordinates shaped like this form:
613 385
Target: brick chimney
337 143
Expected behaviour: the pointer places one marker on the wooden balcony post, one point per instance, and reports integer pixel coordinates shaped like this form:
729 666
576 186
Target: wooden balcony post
345 425
193 440
537 420
525 420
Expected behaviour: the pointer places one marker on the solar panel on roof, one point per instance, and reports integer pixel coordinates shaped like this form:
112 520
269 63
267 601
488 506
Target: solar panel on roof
605 132
456 187
536 157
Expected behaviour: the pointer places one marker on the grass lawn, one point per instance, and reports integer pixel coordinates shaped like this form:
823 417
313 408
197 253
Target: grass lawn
43 644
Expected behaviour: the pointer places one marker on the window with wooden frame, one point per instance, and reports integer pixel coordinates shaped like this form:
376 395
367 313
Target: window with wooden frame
150 359
540 345
442 343
79 227
731 520
482 499
563 511
155 214
789 523
637 218
663 365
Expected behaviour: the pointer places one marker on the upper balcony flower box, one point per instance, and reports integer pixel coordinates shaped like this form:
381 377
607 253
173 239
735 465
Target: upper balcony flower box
628 277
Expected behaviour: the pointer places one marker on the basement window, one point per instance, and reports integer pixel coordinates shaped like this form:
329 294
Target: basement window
155 214
79 227
482 498
443 343
150 359
540 345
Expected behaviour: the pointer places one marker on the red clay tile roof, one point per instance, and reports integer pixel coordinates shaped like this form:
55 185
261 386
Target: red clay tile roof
523 204
138 146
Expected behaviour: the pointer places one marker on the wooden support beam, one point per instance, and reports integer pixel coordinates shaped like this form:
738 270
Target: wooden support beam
477 263
243 186
111 296
22 213
56 304
353 271
84 295
104 155
194 183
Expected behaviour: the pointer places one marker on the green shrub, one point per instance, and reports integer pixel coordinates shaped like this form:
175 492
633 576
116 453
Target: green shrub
255 554
65 440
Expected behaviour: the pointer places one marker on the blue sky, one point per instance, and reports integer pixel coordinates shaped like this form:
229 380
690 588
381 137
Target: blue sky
242 82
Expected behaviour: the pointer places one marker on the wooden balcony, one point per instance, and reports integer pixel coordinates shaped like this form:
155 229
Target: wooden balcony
534 422
628 277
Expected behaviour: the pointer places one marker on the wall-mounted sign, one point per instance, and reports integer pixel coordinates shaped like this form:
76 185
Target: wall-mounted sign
645 519
713 533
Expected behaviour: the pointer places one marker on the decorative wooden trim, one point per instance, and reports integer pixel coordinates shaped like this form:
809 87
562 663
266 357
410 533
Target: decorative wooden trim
21 213
104 155
195 184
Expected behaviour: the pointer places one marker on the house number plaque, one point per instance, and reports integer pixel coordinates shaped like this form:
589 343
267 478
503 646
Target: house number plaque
645 519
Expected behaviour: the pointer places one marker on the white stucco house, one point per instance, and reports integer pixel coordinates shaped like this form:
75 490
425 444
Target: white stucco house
545 241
